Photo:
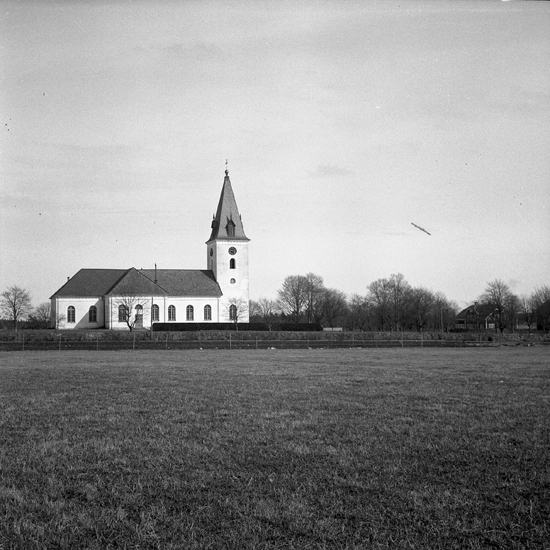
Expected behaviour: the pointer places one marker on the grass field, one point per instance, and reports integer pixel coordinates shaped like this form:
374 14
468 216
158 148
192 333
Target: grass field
387 448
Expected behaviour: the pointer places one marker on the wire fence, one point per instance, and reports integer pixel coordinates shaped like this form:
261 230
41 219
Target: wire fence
167 342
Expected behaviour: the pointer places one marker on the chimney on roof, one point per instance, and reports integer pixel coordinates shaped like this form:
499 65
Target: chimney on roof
68 279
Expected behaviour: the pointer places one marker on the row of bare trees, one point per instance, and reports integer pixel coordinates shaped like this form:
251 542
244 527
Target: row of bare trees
389 304
393 304
508 308
16 305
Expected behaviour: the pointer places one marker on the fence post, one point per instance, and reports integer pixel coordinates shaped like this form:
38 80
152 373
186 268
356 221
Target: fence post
23 340
421 339
229 340
134 342
97 342
280 341
166 343
60 336
401 338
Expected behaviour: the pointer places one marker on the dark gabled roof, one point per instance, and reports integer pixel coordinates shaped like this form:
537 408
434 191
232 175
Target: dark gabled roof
185 282
136 283
170 282
482 310
227 213
91 282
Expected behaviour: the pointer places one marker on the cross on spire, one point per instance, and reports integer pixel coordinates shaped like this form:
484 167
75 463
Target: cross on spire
226 169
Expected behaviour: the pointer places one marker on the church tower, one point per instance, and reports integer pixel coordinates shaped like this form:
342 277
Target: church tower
227 257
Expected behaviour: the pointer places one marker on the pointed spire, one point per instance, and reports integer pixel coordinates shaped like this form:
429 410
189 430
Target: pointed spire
227 223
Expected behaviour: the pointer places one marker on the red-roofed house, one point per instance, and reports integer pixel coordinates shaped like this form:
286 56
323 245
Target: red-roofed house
108 298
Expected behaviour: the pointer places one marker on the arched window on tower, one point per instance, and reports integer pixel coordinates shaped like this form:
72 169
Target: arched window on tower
232 263
71 314
189 313
230 228
171 313
208 313
233 312
92 314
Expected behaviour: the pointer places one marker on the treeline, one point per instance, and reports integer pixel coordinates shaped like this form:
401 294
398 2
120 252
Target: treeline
18 311
392 304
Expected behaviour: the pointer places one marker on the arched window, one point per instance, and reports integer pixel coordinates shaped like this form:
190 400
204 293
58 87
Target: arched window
232 263
71 314
122 313
190 313
233 312
171 313
92 314
139 314
155 313
208 313
230 228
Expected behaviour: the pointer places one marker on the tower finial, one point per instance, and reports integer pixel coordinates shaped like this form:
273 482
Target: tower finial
226 170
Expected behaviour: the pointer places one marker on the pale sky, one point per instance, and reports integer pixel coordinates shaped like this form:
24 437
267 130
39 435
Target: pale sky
344 122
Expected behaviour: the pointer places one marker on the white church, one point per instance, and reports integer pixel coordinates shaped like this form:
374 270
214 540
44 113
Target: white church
113 298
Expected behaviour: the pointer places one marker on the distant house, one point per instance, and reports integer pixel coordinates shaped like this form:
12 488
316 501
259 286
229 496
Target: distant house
476 317
108 298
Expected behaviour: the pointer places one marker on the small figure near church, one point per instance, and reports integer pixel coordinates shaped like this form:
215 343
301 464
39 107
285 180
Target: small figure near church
122 299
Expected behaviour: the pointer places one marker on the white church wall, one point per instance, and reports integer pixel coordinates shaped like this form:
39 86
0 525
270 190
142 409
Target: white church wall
61 317
198 303
163 302
146 302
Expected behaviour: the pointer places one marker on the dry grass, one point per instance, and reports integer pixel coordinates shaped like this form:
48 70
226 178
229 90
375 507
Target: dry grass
275 449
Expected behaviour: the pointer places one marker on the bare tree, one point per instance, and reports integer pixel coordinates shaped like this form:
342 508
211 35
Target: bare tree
237 309
421 302
131 309
512 309
359 312
293 296
254 309
389 298
497 295
41 315
313 296
443 312
16 304
541 301
333 305
379 297
399 290
528 309
267 310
